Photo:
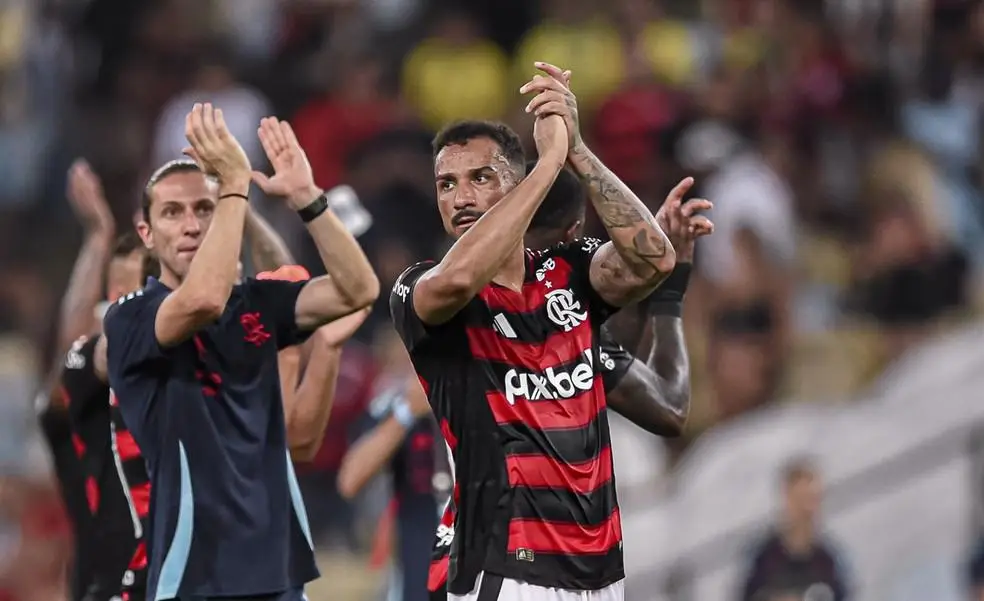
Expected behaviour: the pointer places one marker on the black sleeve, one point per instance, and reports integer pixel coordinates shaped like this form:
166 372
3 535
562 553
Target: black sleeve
82 390
131 338
408 324
613 361
579 254
276 301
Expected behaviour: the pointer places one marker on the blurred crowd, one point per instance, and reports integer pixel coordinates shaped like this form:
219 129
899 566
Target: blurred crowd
840 141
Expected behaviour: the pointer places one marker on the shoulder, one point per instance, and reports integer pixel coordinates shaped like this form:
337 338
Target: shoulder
128 306
409 277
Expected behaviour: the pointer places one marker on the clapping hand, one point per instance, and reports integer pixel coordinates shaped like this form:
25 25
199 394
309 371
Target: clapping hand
554 97
292 177
85 195
680 221
213 146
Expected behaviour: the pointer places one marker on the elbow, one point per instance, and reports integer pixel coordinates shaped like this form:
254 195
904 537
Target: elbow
207 307
348 485
677 420
304 453
664 265
367 294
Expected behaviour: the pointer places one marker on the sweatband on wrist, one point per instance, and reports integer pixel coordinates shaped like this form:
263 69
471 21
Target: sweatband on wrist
668 298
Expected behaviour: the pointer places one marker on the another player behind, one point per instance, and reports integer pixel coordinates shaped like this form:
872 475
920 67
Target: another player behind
74 408
652 389
193 360
504 341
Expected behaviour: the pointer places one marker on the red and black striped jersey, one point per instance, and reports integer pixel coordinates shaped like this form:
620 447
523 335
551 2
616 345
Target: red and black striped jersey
136 482
613 363
76 423
514 381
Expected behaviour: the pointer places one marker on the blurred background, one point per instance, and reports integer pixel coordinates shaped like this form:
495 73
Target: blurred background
834 322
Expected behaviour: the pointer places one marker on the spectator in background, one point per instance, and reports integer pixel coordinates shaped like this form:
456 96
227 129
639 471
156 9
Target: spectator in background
215 82
794 562
575 33
456 73
353 110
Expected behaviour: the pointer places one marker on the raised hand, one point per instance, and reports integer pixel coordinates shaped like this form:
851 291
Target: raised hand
86 197
213 147
336 333
292 177
680 221
554 97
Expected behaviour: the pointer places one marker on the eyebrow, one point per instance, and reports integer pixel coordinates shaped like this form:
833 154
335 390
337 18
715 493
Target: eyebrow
443 176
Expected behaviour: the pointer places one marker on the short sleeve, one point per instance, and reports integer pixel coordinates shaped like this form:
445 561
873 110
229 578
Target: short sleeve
613 361
408 324
80 386
579 254
131 339
276 301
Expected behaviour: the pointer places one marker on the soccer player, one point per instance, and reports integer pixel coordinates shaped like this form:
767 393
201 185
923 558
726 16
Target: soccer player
504 341
652 392
100 469
192 359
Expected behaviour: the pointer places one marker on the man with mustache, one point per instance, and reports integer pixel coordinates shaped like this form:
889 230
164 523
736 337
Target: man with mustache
504 341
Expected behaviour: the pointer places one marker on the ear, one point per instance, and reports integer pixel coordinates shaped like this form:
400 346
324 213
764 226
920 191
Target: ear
146 234
573 232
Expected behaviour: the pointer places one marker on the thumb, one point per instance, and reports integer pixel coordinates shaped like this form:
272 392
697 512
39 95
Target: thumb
261 180
567 77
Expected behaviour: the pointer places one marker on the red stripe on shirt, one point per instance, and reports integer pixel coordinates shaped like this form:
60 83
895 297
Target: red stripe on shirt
141 498
540 471
437 575
576 412
559 348
126 446
565 538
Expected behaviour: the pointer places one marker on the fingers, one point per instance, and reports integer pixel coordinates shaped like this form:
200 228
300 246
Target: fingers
555 107
567 78
192 127
680 190
540 83
271 137
701 226
553 71
543 98
695 205
192 154
288 133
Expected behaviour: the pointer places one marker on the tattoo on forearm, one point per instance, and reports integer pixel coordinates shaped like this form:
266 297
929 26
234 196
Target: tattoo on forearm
642 244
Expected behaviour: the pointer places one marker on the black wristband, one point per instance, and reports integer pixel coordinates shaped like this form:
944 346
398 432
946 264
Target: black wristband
311 212
668 298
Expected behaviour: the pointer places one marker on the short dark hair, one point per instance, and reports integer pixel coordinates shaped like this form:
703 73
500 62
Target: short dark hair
126 244
564 203
168 168
798 469
460 132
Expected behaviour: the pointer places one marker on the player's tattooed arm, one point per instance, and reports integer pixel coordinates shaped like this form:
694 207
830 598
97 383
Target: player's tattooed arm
639 255
84 290
654 393
267 249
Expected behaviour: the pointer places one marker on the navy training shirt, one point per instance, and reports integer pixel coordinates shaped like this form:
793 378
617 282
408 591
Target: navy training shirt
226 513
